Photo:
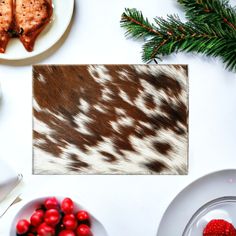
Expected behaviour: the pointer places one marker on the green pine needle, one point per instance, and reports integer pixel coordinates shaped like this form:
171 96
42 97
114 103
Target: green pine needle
210 30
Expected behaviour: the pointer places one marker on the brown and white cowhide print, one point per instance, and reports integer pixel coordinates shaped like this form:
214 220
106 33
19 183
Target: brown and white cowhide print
110 119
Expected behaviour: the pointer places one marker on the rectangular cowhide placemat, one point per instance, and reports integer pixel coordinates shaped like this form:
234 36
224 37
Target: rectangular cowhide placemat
110 119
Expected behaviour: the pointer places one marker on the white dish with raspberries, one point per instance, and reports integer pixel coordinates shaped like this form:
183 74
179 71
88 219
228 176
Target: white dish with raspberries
205 207
217 217
55 216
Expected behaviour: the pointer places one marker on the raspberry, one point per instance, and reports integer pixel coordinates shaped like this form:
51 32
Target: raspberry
219 227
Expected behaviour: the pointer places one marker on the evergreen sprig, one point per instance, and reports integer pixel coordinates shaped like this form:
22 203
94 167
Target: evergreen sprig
210 30
210 11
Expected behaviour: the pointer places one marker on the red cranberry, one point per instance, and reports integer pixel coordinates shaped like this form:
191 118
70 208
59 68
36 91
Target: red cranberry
83 217
37 218
67 233
70 222
51 203
83 230
67 206
22 226
52 217
45 230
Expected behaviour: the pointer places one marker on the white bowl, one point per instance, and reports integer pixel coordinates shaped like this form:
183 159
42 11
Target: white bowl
29 207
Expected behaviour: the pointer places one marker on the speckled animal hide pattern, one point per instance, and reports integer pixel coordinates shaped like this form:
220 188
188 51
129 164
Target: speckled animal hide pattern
110 119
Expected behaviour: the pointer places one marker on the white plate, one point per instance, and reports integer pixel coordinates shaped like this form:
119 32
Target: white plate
62 15
25 209
192 198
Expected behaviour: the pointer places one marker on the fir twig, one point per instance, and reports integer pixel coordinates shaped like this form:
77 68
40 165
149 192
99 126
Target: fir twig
210 11
211 30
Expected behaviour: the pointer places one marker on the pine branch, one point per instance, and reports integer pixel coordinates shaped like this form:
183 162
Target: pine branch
171 35
178 36
211 11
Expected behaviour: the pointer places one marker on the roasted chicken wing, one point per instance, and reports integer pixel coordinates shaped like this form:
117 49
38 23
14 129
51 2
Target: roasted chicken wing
6 20
31 17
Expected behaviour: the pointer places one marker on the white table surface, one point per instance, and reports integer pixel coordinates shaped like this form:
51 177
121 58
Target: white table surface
126 205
